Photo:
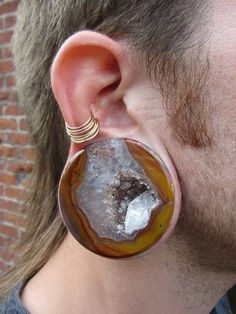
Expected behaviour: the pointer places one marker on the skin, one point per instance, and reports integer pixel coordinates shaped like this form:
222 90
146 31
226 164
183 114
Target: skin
193 268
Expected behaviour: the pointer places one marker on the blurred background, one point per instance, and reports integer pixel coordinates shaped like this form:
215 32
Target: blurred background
16 151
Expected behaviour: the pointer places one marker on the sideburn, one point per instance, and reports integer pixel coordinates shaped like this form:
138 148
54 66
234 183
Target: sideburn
187 100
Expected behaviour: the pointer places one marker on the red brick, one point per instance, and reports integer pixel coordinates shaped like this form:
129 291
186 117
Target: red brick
2 166
9 151
8 230
1 54
7 124
2 138
14 192
10 21
7 178
20 166
8 7
12 218
19 138
4 241
10 80
2 188
4 95
5 37
13 96
1 23
28 153
7 53
13 110
8 204
8 255
6 67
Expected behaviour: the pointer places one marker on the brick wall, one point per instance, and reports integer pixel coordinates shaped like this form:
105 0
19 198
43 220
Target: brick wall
16 154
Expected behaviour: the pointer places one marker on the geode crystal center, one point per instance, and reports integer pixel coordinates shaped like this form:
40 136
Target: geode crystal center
116 195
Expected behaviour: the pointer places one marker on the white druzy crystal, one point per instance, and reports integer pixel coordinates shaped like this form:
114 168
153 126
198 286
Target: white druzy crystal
139 212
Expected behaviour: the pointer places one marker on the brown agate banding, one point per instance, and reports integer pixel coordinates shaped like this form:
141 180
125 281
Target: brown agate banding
116 197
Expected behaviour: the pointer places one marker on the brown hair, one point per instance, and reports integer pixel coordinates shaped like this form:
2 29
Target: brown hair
160 31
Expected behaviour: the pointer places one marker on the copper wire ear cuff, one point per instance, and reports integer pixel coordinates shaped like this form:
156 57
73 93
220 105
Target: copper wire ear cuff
84 132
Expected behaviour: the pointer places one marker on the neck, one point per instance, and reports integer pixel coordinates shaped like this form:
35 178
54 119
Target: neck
160 282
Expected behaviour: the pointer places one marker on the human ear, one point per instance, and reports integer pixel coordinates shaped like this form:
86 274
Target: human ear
91 73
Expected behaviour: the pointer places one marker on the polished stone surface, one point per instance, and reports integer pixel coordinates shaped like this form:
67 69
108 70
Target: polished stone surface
116 197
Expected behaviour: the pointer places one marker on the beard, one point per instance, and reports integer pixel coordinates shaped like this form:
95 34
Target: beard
209 232
203 148
207 223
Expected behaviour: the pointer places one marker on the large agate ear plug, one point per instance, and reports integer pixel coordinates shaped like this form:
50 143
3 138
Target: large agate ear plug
115 196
